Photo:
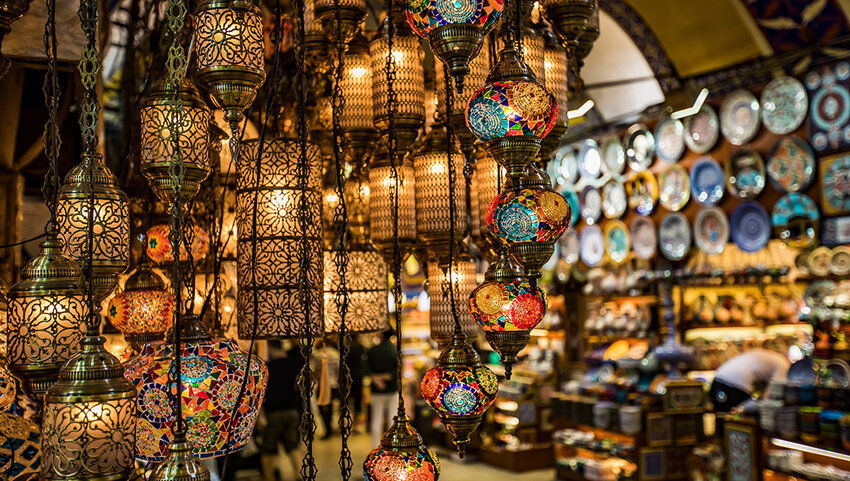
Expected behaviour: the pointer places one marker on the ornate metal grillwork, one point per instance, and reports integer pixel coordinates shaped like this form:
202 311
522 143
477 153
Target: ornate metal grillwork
409 87
431 169
464 280
533 54
356 85
366 282
381 185
555 75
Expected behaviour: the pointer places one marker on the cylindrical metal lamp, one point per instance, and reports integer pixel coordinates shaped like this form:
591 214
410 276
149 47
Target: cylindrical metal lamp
381 187
463 278
367 285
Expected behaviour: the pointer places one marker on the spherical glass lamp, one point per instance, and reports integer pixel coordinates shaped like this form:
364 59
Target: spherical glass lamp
460 388
512 113
432 194
463 276
454 29
46 317
356 86
230 53
276 276
159 249
212 373
111 222
366 284
157 141
401 456
555 66
144 310
381 187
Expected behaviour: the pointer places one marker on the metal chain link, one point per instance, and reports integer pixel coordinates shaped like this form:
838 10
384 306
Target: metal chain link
51 139
89 68
518 25
450 281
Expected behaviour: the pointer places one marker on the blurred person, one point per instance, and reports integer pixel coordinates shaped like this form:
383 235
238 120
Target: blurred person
354 359
737 379
325 364
282 408
382 368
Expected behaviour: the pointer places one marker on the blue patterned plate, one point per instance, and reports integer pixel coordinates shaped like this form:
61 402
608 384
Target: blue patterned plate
591 204
670 140
575 205
750 226
592 245
745 174
674 236
795 219
702 130
640 147
711 230
644 237
784 104
617 241
589 160
739 117
707 181
791 165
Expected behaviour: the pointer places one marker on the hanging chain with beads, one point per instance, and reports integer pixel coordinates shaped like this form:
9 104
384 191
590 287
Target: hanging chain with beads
51 139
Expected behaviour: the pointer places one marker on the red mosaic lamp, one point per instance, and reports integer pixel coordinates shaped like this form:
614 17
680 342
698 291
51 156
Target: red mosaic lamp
144 310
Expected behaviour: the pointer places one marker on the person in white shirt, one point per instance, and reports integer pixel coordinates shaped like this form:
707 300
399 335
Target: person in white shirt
736 379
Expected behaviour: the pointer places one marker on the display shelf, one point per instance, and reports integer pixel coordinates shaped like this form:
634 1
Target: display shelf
771 475
528 458
620 299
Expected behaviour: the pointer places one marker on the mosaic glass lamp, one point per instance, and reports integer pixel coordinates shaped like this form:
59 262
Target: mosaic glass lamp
455 29
460 388
212 374
381 186
276 276
144 310
20 452
464 278
507 307
46 317
111 222
512 113
356 86
351 15
402 456
159 249
555 67
157 143
4 304
366 283
475 78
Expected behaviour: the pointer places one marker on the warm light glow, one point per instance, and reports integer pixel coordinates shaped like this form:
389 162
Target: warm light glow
579 112
359 72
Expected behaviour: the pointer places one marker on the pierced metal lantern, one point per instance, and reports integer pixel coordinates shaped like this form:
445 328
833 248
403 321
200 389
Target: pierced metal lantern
555 67
356 86
46 317
588 37
351 13
534 54
230 53
485 178
381 187
512 113
276 276
432 194
144 310
157 141
89 424
181 464
569 19
159 248
10 10
212 374
409 84
111 222
367 286
507 307
454 29
475 78
463 277
402 456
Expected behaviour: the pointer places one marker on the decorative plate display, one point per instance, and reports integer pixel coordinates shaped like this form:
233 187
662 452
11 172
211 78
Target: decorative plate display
670 139
674 185
589 160
570 246
839 264
707 181
784 104
739 117
745 173
674 236
613 156
643 192
592 245
750 226
640 147
644 237
835 184
819 261
613 199
591 204
575 205
795 219
829 107
702 130
791 165
711 230
817 291
563 168
617 241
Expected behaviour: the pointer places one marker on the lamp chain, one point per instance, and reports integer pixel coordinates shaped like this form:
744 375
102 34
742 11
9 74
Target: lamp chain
341 257
518 25
306 381
51 139
450 281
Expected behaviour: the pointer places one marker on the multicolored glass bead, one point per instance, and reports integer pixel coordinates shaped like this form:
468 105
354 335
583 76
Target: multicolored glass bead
507 306
511 108
141 312
531 215
426 15
459 391
417 464
159 246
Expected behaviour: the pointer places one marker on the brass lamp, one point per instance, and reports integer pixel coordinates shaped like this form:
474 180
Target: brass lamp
351 15
144 310
588 37
477 76
485 178
46 317
401 456
366 284
111 222
10 10
356 86
181 464
569 19
381 186
463 279
555 67
157 143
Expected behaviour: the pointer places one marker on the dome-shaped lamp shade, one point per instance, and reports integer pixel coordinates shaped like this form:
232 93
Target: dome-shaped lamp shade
455 29
401 456
431 169
351 14
441 317
275 277
381 187
367 285
157 141
111 221
144 311
46 317
212 373
409 86
159 244
529 222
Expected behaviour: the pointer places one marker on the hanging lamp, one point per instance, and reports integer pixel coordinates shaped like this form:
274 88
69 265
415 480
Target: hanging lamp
555 68
401 456
351 16
10 10
381 186
159 249
318 51
144 310
485 178
463 277
570 19
366 284
180 464
356 88
455 30
588 37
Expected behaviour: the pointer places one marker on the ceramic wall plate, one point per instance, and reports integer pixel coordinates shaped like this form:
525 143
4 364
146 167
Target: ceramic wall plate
564 166
828 119
750 226
707 181
745 173
592 245
589 160
784 103
644 237
819 261
795 219
640 147
711 230
702 130
613 156
674 236
835 184
674 185
739 117
575 205
614 200
839 264
617 242
569 246
643 192
670 140
591 204
817 291
791 165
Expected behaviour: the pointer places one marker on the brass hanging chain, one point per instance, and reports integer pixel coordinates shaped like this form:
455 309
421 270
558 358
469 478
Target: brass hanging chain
518 25
450 283
51 139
